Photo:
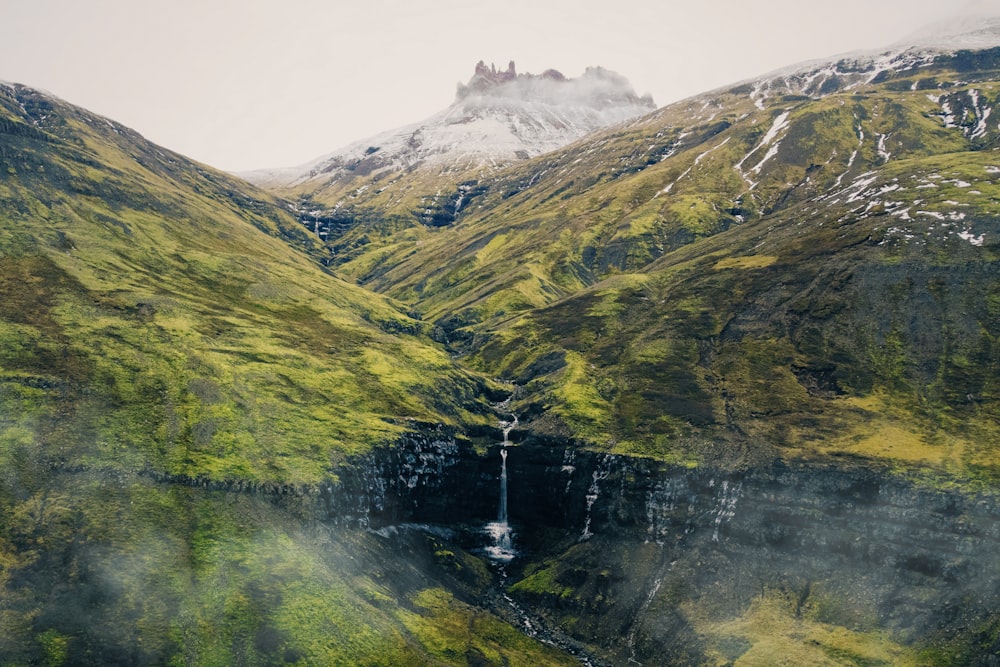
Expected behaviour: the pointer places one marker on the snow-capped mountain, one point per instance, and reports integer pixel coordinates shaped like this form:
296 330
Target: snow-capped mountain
499 117
976 27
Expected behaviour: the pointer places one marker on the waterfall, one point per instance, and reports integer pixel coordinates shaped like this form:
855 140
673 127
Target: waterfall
502 548
601 473
502 515
726 507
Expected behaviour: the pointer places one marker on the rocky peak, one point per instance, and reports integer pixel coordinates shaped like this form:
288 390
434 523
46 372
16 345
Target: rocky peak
490 75
597 87
499 117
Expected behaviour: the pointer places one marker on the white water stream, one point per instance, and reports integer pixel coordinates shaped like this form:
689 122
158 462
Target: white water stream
601 473
502 547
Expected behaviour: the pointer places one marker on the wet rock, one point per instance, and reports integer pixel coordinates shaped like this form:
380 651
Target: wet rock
626 542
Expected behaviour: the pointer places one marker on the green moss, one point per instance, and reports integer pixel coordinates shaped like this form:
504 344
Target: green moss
544 581
747 262
55 648
166 282
775 633
456 633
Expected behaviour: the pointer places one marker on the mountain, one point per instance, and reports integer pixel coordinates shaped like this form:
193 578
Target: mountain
744 330
498 118
716 385
165 287
180 382
976 25
818 220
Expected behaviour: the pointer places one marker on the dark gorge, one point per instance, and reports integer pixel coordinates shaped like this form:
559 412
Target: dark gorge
612 546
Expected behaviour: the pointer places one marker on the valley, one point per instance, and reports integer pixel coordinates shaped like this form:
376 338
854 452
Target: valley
713 384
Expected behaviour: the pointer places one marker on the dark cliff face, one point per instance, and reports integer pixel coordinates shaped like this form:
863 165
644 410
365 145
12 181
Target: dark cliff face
627 555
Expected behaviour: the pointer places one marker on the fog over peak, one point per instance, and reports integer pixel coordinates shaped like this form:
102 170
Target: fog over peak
976 25
498 117
981 8
597 87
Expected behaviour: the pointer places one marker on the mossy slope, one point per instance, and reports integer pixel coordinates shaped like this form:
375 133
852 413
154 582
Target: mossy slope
101 569
156 314
617 201
823 329
163 325
810 273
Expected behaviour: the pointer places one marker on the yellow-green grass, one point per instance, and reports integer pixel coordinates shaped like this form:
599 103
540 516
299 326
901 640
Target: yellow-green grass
778 629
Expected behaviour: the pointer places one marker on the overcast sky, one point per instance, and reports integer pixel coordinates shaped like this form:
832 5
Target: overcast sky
243 84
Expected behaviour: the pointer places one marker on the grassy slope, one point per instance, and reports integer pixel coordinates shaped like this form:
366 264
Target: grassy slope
564 221
148 323
840 335
684 280
155 319
844 313
98 569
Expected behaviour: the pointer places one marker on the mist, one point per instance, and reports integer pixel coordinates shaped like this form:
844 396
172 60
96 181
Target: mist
255 85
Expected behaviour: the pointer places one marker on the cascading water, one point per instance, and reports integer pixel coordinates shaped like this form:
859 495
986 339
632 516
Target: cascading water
601 472
502 515
502 548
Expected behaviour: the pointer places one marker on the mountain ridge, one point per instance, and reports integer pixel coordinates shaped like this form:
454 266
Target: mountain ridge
112 234
726 374
496 119
601 219
553 93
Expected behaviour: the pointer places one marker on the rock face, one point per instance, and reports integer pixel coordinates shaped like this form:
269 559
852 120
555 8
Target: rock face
486 76
612 546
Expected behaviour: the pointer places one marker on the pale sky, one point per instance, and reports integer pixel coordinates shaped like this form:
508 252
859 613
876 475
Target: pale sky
245 84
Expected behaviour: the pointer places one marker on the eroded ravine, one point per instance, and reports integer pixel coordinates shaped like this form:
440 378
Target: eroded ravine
642 561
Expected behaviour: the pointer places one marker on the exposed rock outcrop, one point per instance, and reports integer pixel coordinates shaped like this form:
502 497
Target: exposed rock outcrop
625 543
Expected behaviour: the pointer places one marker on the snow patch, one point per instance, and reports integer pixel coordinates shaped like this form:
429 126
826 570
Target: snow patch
710 150
779 124
771 152
967 235
949 116
697 160
883 153
850 163
859 185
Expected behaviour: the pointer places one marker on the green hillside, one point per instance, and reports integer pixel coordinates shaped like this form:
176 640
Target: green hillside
797 275
751 342
166 328
149 324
